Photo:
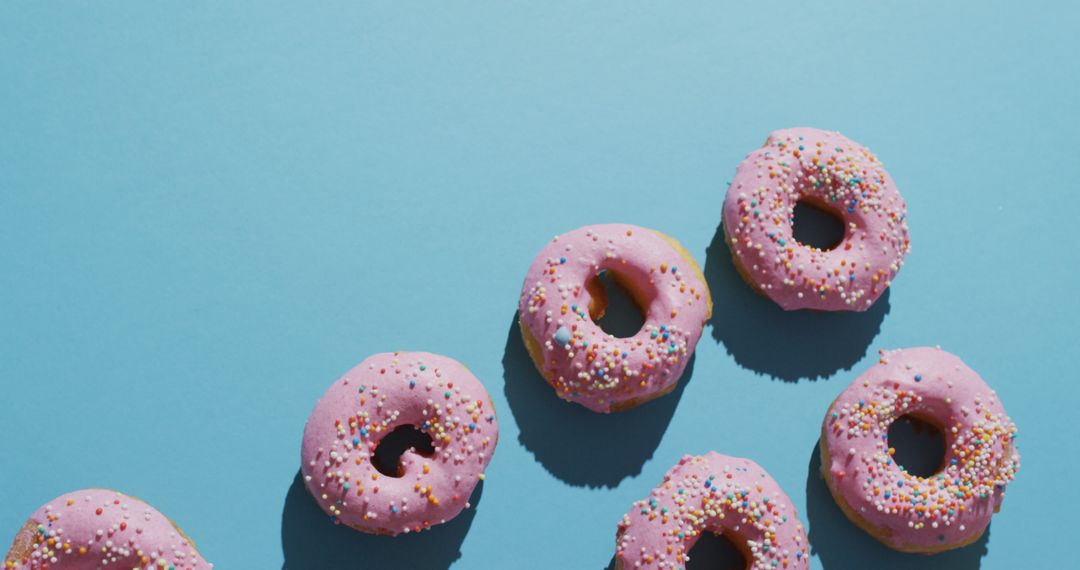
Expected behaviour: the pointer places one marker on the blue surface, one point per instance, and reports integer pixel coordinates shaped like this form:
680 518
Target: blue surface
210 210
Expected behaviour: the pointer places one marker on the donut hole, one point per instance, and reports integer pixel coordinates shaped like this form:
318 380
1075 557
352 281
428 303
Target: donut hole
816 225
718 552
919 445
615 307
387 456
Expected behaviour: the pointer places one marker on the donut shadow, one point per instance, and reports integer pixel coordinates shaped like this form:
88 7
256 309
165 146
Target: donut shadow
311 541
580 447
787 345
840 545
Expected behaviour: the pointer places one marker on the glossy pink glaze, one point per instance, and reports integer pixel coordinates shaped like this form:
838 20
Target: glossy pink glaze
593 368
434 393
833 172
907 512
719 494
98 528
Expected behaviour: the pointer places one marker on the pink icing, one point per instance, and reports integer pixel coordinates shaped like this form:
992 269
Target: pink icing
907 512
833 172
98 528
719 494
434 393
582 362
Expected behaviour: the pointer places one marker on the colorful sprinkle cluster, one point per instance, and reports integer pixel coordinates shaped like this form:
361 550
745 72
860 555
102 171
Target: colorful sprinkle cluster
436 395
827 170
583 362
101 529
717 494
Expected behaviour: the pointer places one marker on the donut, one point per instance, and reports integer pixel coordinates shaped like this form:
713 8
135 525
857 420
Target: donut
947 510
433 393
828 171
100 528
562 298
728 496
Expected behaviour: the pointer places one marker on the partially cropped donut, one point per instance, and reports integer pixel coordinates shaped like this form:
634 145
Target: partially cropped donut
99 528
714 493
562 297
949 509
432 393
828 171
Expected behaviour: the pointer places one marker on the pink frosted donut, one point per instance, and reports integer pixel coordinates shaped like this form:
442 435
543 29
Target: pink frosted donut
719 494
562 298
98 528
833 173
914 514
437 395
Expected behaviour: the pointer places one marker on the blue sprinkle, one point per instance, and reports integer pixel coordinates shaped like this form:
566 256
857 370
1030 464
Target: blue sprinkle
562 336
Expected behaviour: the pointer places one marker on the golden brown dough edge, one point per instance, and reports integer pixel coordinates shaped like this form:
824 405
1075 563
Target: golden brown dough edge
694 267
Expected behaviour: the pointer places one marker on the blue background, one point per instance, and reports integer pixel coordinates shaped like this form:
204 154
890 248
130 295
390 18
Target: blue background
210 210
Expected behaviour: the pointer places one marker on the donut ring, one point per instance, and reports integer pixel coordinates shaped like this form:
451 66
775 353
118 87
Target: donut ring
99 528
434 393
719 494
562 297
833 173
908 513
